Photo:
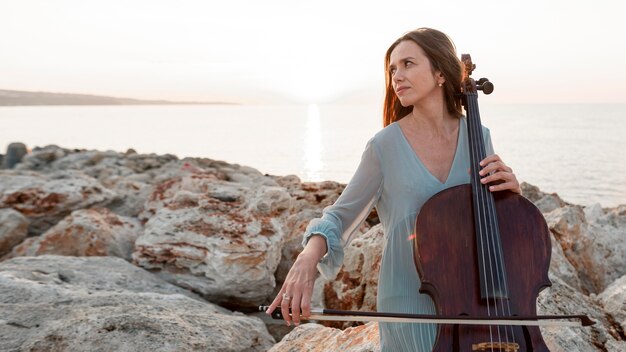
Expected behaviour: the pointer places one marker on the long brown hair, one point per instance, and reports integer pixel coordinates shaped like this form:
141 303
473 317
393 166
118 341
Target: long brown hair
441 53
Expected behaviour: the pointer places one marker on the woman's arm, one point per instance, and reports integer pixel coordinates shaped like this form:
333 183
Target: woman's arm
325 237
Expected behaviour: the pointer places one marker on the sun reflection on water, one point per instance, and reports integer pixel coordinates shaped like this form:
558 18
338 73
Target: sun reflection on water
313 145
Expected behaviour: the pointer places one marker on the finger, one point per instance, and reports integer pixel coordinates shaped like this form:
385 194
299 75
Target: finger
496 165
513 186
507 181
305 306
295 308
490 159
498 176
284 308
275 302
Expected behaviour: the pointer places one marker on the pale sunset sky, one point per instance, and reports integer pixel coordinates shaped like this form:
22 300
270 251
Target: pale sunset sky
290 51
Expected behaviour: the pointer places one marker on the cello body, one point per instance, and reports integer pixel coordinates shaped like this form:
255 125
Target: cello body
446 253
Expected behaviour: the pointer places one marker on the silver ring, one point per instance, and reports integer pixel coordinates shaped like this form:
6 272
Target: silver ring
286 297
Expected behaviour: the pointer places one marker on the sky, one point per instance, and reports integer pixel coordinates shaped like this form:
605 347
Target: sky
305 52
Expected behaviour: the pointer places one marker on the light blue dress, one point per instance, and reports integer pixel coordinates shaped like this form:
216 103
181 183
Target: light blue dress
391 177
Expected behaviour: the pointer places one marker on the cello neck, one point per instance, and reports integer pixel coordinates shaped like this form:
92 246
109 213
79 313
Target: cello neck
493 282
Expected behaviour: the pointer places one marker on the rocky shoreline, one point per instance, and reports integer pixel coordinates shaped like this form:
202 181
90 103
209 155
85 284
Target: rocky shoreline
108 251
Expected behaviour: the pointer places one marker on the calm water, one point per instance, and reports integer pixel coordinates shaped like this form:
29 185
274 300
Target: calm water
577 151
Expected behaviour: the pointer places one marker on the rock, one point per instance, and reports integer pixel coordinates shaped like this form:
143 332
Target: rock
549 203
97 164
616 217
46 199
613 299
563 299
356 284
83 274
46 308
597 252
86 232
13 229
249 176
314 337
533 193
544 201
131 195
220 239
561 267
15 153
220 230
593 212
133 175
39 158
609 244
308 201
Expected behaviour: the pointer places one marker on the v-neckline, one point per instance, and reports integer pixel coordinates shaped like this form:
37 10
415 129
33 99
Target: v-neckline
419 161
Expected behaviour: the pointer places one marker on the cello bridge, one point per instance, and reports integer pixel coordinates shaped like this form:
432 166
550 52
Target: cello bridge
496 346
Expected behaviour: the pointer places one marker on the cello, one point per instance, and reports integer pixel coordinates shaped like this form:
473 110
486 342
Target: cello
482 254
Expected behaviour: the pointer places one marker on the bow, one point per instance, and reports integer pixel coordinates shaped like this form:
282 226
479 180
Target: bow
349 315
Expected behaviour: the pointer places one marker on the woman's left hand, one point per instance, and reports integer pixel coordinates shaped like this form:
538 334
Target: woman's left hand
495 170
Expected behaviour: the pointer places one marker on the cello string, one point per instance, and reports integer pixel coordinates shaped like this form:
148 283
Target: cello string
506 307
475 189
484 195
496 247
480 208
502 279
493 233
500 268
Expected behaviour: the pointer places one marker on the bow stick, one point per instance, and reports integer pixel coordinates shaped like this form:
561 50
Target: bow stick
349 315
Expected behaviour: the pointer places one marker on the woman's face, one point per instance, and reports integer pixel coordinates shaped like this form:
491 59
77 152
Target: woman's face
412 76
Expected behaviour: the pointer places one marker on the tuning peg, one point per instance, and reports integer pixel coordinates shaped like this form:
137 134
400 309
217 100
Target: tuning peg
484 85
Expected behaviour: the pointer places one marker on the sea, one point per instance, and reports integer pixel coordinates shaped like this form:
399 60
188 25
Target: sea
575 150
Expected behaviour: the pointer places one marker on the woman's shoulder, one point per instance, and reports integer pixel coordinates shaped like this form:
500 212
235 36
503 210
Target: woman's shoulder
386 135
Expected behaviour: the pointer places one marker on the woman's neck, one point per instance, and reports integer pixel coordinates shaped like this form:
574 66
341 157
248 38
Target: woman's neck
433 119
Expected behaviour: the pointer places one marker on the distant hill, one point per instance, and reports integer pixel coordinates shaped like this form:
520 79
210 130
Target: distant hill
16 97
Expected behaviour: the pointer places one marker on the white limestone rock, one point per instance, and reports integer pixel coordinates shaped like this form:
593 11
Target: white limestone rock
50 303
596 250
46 199
613 299
86 232
13 229
221 239
314 337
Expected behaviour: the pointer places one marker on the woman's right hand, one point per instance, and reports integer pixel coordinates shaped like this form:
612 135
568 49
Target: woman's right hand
298 286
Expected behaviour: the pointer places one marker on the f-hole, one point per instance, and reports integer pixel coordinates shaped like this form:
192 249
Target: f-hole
529 343
455 339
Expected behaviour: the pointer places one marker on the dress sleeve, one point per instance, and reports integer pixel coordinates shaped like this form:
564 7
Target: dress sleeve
340 220
488 144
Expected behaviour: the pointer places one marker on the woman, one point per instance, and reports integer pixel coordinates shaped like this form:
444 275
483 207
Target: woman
422 150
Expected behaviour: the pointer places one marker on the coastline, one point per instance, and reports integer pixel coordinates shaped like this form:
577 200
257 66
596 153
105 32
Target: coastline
202 240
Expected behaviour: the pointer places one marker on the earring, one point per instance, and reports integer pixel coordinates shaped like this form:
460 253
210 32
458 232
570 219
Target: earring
439 84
